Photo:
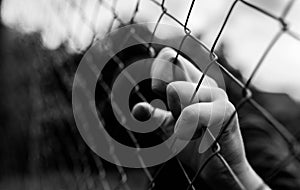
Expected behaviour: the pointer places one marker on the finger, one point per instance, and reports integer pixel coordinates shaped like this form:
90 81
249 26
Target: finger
144 111
166 71
199 119
179 95
192 118
205 120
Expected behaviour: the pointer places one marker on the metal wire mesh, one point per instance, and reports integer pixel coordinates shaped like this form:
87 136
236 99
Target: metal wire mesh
91 165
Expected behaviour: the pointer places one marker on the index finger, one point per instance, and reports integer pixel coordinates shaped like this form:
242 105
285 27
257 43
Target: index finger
165 71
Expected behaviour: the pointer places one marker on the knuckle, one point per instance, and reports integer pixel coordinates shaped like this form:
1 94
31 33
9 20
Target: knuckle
210 82
167 53
222 111
189 114
230 109
221 94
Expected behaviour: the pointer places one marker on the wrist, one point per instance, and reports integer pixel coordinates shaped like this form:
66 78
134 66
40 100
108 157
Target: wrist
250 179
243 171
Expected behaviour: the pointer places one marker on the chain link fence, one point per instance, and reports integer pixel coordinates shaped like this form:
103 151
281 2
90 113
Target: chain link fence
88 171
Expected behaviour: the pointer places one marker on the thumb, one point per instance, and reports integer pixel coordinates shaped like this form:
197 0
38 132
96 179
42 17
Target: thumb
144 111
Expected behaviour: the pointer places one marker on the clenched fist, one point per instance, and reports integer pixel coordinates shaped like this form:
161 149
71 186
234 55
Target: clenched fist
198 118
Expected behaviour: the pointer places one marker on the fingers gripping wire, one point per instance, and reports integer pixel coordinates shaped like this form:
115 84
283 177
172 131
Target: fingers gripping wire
244 86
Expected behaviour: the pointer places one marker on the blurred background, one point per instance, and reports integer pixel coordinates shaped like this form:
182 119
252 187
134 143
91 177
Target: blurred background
42 43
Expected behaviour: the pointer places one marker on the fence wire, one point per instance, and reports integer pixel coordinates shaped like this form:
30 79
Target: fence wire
95 175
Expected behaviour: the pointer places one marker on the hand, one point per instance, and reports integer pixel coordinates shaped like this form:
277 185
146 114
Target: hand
209 110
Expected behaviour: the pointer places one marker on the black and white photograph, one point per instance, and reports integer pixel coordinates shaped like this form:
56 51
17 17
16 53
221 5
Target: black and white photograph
149 94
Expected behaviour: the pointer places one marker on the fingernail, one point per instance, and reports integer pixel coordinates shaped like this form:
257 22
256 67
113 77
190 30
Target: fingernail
142 111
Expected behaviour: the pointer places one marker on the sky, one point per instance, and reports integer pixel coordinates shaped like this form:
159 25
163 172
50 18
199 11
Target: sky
246 35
